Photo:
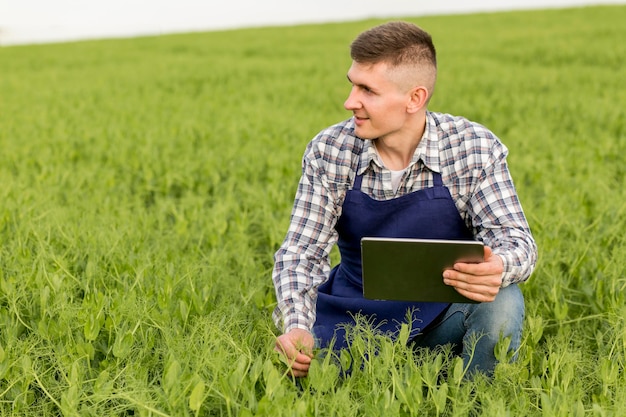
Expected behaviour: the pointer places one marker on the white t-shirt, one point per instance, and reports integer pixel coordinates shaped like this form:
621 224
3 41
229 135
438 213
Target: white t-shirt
396 176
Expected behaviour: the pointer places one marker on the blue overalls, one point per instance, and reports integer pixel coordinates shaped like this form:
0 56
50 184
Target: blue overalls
429 213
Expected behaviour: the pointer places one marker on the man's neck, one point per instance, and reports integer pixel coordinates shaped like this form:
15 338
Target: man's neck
397 150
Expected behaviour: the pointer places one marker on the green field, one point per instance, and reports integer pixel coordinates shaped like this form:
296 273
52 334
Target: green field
146 183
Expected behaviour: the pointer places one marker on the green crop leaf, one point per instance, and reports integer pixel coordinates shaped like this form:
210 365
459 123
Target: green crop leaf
171 375
123 344
103 384
197 396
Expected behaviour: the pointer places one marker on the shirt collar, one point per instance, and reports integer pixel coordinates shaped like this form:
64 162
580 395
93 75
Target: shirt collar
368 156
427 151
428 148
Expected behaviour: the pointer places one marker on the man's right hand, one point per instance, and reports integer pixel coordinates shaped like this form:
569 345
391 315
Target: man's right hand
296 347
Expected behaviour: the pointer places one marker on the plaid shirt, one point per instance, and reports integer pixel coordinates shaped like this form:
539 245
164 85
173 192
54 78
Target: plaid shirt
472 163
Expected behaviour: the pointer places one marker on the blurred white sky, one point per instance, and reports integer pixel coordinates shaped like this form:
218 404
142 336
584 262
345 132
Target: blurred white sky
34 21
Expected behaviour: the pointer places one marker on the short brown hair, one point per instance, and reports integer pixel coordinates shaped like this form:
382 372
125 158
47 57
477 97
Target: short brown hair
399 44
395 43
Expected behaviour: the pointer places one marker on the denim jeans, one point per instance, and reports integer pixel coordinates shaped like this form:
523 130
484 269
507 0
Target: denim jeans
475 329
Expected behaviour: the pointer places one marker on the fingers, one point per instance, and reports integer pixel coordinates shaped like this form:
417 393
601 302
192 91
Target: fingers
488 252
293 357
296 349
480 295
491 266
477 281
295 342
476 292
300 366
298 363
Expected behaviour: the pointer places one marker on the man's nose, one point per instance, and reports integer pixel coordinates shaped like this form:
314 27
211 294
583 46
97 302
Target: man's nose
352 102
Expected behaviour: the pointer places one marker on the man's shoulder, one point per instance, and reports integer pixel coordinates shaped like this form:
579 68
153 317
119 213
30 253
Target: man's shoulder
451 126
458 131
462 140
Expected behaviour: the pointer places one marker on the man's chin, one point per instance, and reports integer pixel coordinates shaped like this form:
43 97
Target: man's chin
365 137
364 134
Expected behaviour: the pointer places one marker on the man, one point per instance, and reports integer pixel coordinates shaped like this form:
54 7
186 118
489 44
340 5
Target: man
396 169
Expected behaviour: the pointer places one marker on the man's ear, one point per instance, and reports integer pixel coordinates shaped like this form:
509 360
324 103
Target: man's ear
418 99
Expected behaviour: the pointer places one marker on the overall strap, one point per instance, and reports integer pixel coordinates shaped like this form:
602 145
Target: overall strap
356 185
357 182
438 182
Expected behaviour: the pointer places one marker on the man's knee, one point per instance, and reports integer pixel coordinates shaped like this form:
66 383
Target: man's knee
502 317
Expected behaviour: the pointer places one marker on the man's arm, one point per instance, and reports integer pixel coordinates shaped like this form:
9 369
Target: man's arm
302 262
500 223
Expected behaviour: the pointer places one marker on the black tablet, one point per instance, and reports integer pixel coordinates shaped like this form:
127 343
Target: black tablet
412 269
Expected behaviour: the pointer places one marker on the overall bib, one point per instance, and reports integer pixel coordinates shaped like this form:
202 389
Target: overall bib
429 213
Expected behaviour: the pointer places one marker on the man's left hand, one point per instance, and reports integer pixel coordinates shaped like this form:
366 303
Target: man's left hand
477 281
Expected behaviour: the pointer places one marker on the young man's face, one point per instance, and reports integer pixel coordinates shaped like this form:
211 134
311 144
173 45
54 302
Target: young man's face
377 100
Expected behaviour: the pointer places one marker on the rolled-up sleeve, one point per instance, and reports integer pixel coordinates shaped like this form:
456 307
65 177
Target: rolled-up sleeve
302 262
499 220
